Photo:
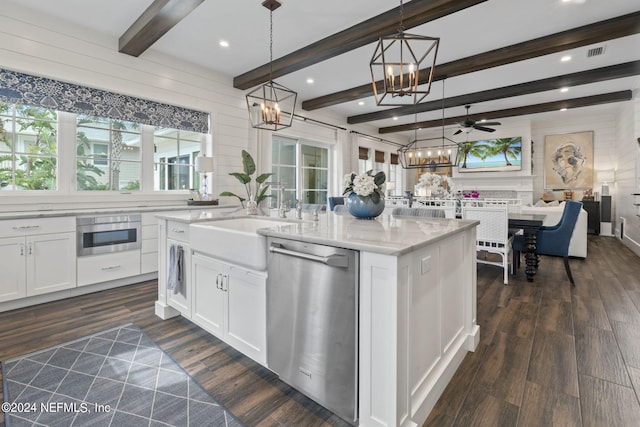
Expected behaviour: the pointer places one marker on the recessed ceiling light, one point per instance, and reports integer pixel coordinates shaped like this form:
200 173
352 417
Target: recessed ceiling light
224 43
563 109
566 58
395 117
564 89
361 103
309 81
483 120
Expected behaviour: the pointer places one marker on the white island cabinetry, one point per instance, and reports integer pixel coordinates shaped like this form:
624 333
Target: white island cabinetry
37 256
225 299
417 303
230 301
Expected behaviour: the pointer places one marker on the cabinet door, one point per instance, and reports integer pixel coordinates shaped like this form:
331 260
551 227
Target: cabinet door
51 263
12 268
246 328
181 301
207 279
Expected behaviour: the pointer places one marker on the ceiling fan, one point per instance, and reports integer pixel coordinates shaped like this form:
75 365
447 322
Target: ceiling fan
469 124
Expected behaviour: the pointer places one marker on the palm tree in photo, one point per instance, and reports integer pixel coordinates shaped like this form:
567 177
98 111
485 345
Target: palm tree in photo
472 148
508 147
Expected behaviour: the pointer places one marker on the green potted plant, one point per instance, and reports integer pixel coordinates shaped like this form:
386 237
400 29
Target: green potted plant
261 188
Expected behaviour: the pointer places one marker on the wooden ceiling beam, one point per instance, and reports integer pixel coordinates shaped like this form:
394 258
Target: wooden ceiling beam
155 21
618 71
416 12
586 101
598 32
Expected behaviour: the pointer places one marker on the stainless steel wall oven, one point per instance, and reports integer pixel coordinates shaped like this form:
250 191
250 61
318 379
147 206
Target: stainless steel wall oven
108 234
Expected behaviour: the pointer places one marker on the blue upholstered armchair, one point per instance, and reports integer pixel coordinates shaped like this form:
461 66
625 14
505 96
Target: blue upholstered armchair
554 240
333 201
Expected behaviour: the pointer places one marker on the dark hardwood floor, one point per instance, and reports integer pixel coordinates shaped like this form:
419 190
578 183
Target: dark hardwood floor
549 354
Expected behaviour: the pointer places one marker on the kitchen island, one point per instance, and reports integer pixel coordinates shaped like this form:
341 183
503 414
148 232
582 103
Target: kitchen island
417 305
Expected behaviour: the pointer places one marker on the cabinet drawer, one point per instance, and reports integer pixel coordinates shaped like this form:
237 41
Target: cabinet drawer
178 231
31 226
102 268
149 231
149 246
148 263
148 218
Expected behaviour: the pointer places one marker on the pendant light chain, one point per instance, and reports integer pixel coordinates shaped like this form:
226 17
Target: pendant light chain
270 45
401 27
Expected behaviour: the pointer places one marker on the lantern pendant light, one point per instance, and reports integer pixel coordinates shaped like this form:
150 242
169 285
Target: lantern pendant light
271 106
395 67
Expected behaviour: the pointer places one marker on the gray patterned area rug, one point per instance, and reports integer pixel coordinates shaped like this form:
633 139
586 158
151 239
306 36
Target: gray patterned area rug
118 377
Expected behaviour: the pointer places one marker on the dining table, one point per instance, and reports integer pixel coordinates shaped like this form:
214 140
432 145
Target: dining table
529 224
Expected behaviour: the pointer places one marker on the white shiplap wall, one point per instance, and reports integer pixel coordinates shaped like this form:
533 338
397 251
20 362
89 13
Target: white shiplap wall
35 44
603 126
628 174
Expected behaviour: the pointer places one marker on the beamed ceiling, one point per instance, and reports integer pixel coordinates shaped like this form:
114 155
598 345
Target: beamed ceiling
500 56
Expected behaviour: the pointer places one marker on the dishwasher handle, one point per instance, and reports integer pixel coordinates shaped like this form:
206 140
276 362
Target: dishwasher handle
331 260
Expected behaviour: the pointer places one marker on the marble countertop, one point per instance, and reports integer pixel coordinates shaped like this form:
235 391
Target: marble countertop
387 234
198 216
98 211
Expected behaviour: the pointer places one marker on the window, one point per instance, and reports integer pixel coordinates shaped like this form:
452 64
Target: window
392 179
28 147
175 154
364 164
303 171
100 152
108 154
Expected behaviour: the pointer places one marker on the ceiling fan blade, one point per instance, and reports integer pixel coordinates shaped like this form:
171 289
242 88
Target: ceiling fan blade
490 123
484 128
458 132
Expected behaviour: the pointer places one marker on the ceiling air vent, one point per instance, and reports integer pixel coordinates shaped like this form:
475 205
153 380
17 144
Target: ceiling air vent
595 51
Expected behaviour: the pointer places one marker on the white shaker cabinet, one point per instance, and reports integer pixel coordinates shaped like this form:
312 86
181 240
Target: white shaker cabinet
36 260
230 302
14 273
208 279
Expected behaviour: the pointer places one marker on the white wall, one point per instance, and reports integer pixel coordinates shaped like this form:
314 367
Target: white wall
628 174
35 44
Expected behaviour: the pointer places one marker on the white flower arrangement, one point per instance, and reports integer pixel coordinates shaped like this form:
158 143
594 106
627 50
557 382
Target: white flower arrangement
434 185
365 185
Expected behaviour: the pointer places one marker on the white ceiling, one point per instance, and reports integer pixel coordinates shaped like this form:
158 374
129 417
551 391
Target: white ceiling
489 25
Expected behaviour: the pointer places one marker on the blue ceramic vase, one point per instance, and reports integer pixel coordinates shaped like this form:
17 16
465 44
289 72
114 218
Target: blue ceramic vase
364 207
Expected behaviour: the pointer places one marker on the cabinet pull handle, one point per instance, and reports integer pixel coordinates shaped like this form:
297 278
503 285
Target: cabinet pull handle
218 286
112 267
30 249
227 287
21 249
176 230
26 227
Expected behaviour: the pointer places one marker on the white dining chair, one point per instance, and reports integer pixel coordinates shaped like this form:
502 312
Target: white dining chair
448 206
418 212
492 234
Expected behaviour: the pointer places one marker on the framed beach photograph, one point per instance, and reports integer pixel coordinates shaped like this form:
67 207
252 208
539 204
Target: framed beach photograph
490 155
568 161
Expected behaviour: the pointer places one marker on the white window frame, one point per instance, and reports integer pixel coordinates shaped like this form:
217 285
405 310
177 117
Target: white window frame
299 142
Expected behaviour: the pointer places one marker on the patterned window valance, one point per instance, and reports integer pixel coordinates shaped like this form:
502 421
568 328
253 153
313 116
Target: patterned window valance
22 88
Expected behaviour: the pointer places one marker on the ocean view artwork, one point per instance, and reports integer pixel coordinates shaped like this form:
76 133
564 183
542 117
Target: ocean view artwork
490 155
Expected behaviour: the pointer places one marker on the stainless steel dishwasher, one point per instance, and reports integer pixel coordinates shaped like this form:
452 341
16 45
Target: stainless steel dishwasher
312 321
